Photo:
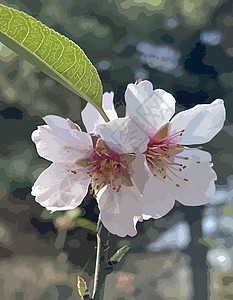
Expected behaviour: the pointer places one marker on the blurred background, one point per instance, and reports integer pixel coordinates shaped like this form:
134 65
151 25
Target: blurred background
182 46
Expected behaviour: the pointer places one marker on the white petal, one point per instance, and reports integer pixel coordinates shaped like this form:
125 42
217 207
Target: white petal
138 172
69 148
152 108
201 123
58 189
125 135
157 198
108 106
57 122
91 118
61 128
120 211
200 175
195 155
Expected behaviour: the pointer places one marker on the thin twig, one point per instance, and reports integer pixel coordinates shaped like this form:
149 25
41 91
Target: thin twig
97 265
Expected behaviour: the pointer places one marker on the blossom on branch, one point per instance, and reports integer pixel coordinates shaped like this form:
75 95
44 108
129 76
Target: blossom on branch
137 166
102 159
175 171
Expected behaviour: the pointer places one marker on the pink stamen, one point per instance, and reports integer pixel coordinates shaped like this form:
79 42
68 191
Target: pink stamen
161 155
105 166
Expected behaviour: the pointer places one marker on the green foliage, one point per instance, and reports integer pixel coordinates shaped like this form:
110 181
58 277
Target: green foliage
118 255
69 219
85 223
82 289
208 242
51 52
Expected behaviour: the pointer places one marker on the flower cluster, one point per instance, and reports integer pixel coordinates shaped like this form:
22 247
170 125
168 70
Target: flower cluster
137 165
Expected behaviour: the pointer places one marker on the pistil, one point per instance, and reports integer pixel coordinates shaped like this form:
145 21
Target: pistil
107 167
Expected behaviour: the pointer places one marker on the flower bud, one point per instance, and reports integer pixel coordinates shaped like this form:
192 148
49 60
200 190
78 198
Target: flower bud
82 288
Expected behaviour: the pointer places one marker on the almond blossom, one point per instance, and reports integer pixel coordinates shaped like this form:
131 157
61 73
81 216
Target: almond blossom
169 170
175 171
102 159
129 187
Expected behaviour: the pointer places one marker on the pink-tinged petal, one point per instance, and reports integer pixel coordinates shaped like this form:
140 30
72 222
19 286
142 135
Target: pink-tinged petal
68 149
124 135
108 106
57 188
152 108
119 211
201 123
91 118
157 198
196 181
138 172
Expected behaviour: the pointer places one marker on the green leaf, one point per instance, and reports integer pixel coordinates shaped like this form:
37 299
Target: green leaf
46 215
85 223
118 255
53 53
210 243
82 289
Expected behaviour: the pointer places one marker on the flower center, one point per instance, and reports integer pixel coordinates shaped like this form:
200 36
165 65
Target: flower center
162 150
106 166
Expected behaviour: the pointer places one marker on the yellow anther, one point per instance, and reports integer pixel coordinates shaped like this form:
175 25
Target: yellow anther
177 185
95 196
184 167
185 179
91 191
164 176
198 162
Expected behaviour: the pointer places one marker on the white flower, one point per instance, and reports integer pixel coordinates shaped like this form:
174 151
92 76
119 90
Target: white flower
102 158
175 172
167 170
128 188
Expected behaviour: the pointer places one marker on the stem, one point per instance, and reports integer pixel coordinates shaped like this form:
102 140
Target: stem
97 265
102 268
